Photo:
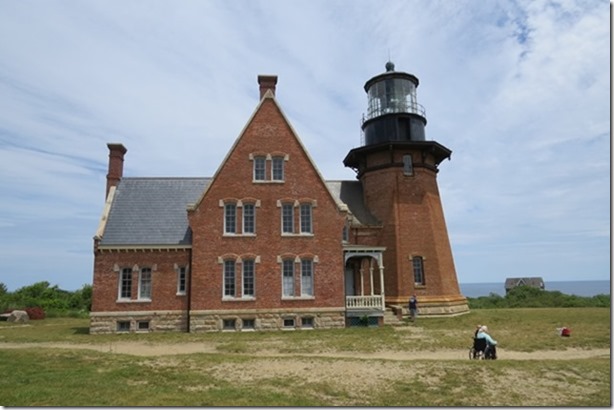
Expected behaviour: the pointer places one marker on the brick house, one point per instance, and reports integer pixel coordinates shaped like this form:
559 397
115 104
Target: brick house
268 243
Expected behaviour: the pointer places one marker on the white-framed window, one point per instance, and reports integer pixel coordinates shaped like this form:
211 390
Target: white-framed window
259 168
418 265
229 278
248 324
142 325
230 218
182 280
145 284
249 219
288 277
287 218
289 322
229 324
306 277
345 234
125 283
249 277
277 168
306 218
307 322
123 326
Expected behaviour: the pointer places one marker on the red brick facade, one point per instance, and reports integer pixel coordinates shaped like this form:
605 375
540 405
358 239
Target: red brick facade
267 247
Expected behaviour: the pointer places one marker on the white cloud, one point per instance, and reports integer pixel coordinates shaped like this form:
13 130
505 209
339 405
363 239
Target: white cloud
519 90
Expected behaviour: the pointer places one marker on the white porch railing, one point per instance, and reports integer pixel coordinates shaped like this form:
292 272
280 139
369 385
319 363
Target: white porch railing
364 302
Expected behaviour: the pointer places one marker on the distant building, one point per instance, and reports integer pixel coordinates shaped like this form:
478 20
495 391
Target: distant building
511 283
266 243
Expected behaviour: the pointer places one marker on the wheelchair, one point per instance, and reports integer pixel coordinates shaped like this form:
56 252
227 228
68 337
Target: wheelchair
481 350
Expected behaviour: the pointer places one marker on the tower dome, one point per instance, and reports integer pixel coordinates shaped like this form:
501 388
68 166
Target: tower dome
393 112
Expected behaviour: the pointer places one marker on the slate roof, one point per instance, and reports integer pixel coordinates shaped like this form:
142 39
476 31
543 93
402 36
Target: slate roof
153 211
535 282
350 194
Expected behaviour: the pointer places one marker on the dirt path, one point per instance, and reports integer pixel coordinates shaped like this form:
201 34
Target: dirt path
166 349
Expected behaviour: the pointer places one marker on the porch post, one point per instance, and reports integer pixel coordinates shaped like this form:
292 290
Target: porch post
371 275
362 284
380 262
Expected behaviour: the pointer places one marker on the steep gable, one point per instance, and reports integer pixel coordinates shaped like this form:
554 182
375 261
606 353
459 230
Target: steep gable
268 133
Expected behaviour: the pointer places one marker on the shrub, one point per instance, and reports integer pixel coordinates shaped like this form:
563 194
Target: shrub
35 313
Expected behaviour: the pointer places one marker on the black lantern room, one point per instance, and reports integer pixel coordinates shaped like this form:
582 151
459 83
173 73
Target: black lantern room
393 110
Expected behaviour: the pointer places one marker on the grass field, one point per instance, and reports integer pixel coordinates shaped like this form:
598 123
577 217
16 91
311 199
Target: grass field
55 362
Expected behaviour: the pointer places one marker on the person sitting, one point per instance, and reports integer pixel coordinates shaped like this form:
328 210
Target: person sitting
491 343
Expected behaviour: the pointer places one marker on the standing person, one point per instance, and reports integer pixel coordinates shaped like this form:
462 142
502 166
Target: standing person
413 308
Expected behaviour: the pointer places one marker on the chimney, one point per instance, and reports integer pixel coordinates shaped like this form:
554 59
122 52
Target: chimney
116 165
267 82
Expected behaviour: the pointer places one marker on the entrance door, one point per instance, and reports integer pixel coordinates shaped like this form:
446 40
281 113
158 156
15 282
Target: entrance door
349 282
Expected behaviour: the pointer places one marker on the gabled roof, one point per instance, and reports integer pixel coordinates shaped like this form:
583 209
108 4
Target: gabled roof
151 211
513 282
349 193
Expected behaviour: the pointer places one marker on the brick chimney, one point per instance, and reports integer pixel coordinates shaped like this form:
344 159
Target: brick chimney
116 165
267 82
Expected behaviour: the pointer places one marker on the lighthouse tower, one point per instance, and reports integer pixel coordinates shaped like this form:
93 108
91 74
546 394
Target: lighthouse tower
398 169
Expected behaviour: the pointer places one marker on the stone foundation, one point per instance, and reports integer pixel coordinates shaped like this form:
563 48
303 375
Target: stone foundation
130 322
215 321
263 320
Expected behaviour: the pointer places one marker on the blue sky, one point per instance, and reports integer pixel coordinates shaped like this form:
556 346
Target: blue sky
519 90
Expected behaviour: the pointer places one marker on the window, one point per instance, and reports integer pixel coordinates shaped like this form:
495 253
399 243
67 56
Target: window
418 264
306 277
125 283
229 278
408 167
249 218
277 169
287 218
306 218
229 324
249 324
145 284
142 325
123 326
289 322
248 277
259 168
182 276
230 218
288 277
345 235
307 322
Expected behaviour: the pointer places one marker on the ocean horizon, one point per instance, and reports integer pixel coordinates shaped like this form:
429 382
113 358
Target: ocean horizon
579 288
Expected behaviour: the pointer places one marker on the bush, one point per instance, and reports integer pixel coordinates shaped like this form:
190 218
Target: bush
530 297
35 313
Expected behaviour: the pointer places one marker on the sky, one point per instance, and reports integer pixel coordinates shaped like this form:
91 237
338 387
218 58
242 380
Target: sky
518 90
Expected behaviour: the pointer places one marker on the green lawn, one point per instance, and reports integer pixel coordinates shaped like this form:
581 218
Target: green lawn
238 374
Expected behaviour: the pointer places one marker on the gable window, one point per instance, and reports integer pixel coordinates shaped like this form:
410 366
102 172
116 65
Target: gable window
145 283
229 278
418 265
287 218
288 277
230 218
182 279
277 169
249 219
408 166
306 226
259 168
306 277
125 283
248 277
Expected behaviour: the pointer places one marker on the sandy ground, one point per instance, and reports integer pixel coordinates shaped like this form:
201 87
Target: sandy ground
166 349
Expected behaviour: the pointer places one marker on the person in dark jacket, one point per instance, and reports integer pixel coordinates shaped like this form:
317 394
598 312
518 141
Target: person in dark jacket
413 308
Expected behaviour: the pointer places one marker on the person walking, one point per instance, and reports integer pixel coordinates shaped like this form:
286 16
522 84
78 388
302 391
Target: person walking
413 308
